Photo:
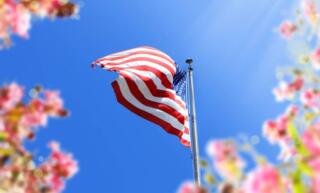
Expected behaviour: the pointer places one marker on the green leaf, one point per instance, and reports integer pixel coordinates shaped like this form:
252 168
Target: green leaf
203 163
305 168
297 183
3 136
6 152
210 179
293 133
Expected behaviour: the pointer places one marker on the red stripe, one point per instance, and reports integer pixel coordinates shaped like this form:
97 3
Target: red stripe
134 89
185 142
165 125
163 78
159 93
186 131
163 55
140 59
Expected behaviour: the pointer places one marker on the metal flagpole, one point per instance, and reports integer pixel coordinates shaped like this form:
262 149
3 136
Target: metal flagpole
194 132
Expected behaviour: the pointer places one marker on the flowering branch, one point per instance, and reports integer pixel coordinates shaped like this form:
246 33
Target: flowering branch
19 121
296 131
16 15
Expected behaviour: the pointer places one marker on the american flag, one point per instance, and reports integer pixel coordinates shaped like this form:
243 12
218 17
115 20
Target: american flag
152 86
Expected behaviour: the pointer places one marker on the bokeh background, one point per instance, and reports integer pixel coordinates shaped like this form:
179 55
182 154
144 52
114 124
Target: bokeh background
235 49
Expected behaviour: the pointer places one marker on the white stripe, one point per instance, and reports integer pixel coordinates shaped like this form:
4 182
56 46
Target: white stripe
140 63
157 82
148 95
156 112
159 59
142 49
186 137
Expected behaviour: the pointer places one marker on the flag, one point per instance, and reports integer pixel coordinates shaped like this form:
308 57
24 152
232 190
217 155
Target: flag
146 86
180 83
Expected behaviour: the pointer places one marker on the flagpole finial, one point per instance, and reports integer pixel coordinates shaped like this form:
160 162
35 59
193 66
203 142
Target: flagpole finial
189 61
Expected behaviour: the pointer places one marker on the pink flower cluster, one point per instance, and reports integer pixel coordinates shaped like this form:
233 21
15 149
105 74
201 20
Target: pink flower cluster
296 132
309 9
10 96
311 139
276 130
15 16
287 91
287 29
18 122
226 160
190 187
315 59
21 119
315 166
264 179
311 99
59 167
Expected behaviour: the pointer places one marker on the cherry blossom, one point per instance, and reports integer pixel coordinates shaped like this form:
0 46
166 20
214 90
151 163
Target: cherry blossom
287 91
309 8
225 159
10 96
265 179
21 21
276 130
190 187
19 122
16 16
315 165
311 138
287 29
315 59
296 131
311 99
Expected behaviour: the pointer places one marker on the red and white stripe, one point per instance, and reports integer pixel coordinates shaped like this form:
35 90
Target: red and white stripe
144 86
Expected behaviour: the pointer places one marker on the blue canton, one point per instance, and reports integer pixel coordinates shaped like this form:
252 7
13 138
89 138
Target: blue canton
180 83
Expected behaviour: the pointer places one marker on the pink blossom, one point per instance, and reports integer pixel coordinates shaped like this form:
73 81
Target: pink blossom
34 119
190 187
311 139
276 131
315 59
265 179
17 123
315 186
220 150
53 102
315 166
5 21
286 91
60 167
40 109
311 98
10 96
309 8
2 126
15 16
225 159
287 29
64 162
292 111
21 22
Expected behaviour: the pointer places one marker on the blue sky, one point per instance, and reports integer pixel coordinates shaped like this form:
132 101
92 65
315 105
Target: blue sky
235 51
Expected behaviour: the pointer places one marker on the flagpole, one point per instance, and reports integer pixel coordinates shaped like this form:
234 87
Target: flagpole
194 132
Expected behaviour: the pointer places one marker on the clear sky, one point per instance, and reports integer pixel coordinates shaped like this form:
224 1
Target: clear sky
235 49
